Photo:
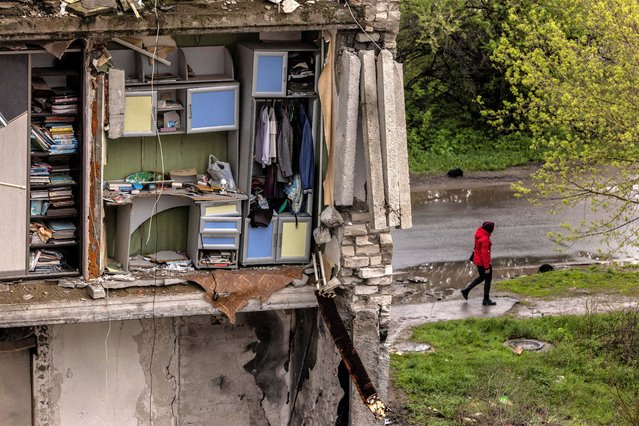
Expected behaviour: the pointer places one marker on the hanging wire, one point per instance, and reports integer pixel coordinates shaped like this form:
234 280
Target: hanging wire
360 25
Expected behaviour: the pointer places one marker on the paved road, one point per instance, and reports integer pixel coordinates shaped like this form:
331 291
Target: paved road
445 217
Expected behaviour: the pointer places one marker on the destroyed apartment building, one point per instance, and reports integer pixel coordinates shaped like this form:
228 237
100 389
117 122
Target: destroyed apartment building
196 200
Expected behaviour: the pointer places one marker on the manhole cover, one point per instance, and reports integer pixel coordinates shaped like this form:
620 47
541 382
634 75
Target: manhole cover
527 344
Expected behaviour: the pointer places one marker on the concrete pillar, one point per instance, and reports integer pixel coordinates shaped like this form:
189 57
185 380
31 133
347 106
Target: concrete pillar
405 208
366 342
116 103
387 102
371 138
344 143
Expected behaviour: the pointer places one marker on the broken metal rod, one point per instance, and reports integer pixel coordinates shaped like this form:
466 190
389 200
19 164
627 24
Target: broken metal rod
351 359
12 185
321 262
315 272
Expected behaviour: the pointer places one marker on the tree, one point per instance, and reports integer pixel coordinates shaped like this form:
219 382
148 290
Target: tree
573 68
445 46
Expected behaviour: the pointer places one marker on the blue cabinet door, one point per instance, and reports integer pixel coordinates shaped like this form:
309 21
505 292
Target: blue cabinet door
259 243
269 77
213 109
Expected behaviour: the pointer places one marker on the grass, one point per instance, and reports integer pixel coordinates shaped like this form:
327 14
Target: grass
583 380
424 162
561 283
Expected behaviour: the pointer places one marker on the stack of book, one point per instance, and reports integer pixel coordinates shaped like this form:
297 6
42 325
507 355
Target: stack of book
62 203
39 233
53 202
54 138
46 260
63 230
39 173
63 102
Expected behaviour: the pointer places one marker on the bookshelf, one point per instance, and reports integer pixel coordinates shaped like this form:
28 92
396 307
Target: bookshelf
55 166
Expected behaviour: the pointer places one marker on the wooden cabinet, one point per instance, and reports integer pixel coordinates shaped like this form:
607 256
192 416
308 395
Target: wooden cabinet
279 83
212 108
287 239
195 94
214 234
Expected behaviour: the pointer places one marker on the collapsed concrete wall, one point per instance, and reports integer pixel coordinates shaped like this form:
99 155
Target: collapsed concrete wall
184 370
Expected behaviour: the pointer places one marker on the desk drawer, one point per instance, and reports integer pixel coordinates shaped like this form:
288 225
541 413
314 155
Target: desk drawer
221 225
219 241
221 209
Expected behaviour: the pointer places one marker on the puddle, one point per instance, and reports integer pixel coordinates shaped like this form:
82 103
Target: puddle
477 196
436 281
404 347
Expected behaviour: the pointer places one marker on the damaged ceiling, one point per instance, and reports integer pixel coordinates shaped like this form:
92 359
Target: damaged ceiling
55 19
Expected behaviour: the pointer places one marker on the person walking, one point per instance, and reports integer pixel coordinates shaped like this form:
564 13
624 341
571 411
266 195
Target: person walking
481 259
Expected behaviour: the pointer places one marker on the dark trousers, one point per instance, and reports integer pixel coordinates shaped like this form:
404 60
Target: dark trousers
483 276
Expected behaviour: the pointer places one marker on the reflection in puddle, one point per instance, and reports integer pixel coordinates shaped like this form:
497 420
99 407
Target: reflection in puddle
475 196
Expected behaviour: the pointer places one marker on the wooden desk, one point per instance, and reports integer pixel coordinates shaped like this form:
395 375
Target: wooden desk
136 209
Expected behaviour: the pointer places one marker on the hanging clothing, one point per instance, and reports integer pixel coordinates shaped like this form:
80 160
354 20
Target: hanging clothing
285 151
262 138
307 155
270 181
272 136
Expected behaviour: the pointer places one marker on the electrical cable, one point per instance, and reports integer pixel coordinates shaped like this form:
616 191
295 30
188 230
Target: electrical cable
154 211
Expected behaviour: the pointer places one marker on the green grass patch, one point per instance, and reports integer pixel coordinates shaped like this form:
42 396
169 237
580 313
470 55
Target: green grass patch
450 144
592 280
585 379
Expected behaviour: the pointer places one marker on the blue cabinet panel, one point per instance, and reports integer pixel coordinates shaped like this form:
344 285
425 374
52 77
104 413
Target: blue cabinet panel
260 242
213 108
270 74
217 226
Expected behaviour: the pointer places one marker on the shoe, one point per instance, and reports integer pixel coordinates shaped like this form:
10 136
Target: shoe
488 303
464 294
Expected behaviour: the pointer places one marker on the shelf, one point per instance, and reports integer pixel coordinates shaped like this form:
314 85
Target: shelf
52 185
62 216
70 273
52 71
52 245
48 154
52 114
176 108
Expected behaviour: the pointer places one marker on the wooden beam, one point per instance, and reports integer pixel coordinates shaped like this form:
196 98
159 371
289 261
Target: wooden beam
141 51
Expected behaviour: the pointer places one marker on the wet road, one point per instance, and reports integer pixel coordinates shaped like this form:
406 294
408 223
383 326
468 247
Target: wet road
444 222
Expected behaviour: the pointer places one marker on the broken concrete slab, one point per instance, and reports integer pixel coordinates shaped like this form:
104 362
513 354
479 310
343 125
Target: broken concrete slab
159 282
167 256
386 99
139 262
345 141
116 103
96 291
371 137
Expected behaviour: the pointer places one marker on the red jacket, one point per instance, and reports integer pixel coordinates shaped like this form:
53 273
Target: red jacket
481 255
